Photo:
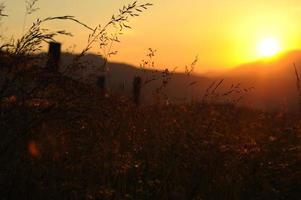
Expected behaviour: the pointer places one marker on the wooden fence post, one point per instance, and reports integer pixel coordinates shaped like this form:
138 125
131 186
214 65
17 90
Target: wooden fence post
137 89
54 56
101 84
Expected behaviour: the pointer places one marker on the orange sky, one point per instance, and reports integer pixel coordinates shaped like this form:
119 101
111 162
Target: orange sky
224 33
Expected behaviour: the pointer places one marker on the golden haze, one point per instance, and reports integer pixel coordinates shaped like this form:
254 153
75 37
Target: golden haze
223 33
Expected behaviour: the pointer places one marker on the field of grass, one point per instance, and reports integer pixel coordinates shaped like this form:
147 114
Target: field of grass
63 139
95 147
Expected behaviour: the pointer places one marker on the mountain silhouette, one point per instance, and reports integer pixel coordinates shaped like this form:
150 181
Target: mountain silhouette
273 80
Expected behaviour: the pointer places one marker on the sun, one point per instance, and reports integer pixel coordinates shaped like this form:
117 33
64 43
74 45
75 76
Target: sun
268 47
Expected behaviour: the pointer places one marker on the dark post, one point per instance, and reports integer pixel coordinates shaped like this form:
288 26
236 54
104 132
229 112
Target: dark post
137 89
54 56
101 84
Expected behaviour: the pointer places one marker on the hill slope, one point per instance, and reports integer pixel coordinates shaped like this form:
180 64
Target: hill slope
274 81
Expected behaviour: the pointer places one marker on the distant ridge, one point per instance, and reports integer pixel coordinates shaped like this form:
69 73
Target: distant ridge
273 81
282 65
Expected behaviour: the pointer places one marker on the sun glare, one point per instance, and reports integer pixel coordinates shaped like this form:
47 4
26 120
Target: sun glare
268 47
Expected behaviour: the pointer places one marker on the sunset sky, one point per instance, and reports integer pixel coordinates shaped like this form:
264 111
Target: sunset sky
224 33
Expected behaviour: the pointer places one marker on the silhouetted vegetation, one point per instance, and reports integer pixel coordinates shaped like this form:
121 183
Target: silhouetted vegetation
62 138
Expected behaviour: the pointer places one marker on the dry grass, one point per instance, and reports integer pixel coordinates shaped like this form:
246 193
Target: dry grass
61 139
95 148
